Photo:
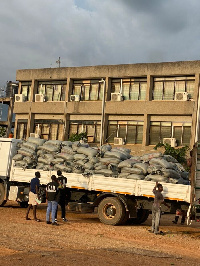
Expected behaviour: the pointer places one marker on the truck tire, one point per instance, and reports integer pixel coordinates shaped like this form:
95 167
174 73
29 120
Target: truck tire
2 194
111 211
142 217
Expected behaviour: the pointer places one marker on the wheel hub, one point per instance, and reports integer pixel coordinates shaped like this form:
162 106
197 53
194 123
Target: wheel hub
110 211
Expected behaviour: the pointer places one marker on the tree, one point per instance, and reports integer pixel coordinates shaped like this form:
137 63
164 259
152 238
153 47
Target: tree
179 153
77 137
2 132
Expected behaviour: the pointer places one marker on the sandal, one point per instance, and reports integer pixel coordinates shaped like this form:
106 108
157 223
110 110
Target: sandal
28 218
37 220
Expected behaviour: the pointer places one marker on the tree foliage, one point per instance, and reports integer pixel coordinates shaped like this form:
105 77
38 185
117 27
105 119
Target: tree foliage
179 153
2 132
77 137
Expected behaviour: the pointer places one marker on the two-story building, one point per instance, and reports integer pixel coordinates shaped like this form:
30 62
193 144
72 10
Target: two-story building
140 104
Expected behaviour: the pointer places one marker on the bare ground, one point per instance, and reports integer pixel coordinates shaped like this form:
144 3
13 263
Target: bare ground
85 241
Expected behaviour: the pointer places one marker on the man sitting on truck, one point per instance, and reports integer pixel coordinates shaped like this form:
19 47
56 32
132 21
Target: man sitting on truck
33 196
156 208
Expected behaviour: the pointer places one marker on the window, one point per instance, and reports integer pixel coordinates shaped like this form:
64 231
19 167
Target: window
21 130
50 129
53 90
180 131
88 90
166 87
130 131
92 128
131 89
26 90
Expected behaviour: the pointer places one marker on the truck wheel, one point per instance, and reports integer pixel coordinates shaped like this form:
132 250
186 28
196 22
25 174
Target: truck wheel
2 194
111 211
142 217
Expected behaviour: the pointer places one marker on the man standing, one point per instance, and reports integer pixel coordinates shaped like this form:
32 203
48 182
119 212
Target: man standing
33 195
156 208
62 181
52 195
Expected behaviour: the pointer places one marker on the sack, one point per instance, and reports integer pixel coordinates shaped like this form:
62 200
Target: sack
132 170
142 166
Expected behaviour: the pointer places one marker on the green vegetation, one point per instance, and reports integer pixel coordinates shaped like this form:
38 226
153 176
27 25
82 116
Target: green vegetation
77 137
2 132
178 153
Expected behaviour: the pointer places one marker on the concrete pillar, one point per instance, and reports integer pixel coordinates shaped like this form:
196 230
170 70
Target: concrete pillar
108 88
145 140
34 87
67 124
68 89
195 112
19 87
15 128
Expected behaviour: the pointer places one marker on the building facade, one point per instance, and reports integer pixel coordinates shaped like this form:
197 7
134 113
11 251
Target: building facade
139 103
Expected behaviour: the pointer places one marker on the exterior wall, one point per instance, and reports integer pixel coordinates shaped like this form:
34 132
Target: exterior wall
148 110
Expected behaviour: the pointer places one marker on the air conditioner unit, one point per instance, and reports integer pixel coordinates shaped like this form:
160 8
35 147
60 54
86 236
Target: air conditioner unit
116 97
75 98
19 98
170 141
118 141
39 98
34 135
181 96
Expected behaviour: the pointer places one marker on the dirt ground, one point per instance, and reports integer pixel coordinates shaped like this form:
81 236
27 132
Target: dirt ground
85 241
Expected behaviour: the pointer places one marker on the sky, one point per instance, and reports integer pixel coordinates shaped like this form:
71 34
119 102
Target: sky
35 33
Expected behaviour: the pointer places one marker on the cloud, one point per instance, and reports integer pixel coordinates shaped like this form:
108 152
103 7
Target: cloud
90 32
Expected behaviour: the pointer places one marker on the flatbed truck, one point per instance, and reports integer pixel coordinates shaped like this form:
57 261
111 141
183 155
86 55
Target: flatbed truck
117 200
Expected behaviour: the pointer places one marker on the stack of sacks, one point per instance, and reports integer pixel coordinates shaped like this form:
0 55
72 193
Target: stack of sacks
76 157
26 156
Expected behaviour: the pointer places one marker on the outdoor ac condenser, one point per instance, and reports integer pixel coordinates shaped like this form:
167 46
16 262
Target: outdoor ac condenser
181 96
19 98
118 141
170 141
34 135
39 97
117 97
74 98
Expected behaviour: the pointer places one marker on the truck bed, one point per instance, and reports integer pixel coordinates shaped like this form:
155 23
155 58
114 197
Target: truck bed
106 184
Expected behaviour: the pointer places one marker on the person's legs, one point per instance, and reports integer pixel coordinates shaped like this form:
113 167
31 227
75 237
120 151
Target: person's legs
62 205
175 219
34 212
49 209
54 208
56 214
153 220
157 221
27 213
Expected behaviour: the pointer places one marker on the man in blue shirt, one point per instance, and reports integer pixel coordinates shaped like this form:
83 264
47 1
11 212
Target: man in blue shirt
33 195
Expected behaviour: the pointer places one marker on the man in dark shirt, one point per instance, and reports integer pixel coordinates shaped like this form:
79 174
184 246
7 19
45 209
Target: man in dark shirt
33 195
52 195
62 181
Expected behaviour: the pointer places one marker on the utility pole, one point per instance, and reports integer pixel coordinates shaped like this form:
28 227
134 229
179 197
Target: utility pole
58 61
